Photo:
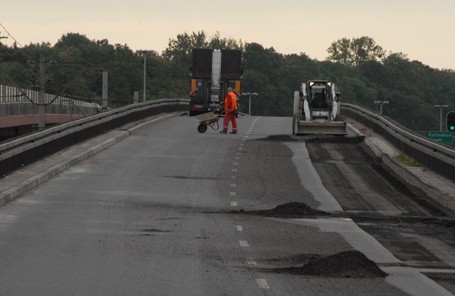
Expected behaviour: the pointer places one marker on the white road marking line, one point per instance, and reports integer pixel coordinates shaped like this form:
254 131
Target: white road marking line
233 185
237 158
233 177
239 228
251 262
235 163
234 170
233 203
262 283
244 243
240 148
233 193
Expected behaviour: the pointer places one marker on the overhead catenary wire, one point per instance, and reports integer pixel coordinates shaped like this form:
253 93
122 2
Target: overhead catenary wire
15 41
61 92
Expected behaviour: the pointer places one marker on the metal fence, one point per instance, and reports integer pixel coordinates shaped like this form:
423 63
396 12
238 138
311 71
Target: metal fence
17 101
11 94
436 157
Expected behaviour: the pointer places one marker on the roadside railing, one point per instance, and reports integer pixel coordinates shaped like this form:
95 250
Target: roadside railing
434 156
23 151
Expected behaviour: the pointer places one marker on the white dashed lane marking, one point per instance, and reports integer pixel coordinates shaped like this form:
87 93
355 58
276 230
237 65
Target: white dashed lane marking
262 283
239 228
244 243
251 262
233 193
233 203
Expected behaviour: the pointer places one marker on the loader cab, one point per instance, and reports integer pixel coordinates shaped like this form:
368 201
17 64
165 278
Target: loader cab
319 94
319 98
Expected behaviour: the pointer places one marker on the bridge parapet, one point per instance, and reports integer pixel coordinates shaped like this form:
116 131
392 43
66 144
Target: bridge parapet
437 157
23 151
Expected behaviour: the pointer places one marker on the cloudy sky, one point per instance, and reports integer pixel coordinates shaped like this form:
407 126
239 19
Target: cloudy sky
423 30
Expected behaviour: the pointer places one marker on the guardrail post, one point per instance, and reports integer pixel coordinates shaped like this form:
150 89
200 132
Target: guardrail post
105 89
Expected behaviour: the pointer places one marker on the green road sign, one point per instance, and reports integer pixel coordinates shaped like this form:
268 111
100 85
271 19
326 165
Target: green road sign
442 137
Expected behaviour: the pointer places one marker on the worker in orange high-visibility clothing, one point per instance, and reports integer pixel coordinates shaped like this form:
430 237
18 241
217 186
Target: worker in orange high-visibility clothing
230 111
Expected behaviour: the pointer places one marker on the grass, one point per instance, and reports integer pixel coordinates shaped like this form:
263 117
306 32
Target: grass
408 160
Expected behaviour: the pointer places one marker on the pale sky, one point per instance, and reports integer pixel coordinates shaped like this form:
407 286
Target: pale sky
423 30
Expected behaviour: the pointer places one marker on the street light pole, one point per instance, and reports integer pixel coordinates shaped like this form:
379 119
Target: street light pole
144 53
380 105
249 100
440 114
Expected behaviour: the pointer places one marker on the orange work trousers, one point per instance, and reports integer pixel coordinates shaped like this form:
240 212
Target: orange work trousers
230 117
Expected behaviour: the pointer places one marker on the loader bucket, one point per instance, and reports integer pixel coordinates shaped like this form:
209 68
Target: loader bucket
324 128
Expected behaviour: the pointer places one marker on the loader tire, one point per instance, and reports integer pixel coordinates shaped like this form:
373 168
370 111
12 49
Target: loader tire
294 125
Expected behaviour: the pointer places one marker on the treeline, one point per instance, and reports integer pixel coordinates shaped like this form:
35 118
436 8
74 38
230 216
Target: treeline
363 71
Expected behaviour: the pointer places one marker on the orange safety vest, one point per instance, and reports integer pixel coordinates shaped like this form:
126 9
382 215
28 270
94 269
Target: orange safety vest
230 102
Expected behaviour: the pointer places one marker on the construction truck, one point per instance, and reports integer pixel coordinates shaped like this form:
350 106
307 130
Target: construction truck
317 109
212 72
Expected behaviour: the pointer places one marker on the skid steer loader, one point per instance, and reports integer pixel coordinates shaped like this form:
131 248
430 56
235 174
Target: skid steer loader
317 109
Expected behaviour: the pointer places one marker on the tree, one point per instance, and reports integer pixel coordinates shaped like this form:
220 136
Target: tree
356 51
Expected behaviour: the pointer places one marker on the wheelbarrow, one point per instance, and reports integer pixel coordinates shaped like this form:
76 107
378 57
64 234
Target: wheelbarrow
207 119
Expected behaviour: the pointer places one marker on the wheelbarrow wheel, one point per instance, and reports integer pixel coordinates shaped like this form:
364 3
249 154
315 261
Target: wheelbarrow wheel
202 128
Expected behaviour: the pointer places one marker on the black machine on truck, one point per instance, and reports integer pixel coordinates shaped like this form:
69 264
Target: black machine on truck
212 72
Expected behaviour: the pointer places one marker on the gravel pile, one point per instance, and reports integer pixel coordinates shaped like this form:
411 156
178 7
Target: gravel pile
291 210
348 264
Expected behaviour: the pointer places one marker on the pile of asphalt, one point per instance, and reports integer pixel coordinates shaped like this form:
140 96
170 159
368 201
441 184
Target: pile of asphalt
336 139
279 138
348 264
450 224
290 210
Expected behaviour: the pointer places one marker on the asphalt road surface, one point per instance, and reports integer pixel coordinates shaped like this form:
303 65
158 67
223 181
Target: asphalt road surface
170 211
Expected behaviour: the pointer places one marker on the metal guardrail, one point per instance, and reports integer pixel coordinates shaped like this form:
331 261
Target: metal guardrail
434 156
21 152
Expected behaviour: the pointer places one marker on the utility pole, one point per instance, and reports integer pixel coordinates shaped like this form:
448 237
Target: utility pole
440 114
3 37
136 97
104 91
42 85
